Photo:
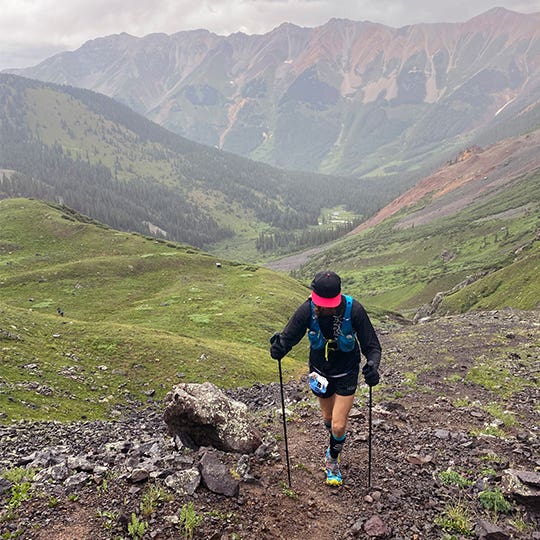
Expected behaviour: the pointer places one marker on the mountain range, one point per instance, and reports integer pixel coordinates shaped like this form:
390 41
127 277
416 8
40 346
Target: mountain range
87 151
97 321
346 97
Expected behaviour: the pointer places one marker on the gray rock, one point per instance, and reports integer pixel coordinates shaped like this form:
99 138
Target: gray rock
184 482
100 470
488 531
38 459
209 417
530 478
79 463
216 475
118 446
138 475
523 485
358 527
5 485
243 466
376 527
59 472
268 449
76 482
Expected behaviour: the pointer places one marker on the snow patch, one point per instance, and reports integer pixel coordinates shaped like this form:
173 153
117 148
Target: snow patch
155 230
504 106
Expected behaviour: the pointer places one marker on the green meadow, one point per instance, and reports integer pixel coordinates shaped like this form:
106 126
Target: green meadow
139 315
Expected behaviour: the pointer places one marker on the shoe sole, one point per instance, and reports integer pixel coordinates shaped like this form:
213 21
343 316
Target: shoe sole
334 482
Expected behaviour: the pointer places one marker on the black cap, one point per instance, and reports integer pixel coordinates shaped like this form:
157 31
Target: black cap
326 287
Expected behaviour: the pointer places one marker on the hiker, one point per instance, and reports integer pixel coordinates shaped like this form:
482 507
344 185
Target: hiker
338 329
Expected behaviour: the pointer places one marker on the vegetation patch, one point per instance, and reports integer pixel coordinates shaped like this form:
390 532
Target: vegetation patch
456 519
493 500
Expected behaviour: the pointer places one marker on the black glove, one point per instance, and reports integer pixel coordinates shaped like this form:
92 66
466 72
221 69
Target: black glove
277 350
371 374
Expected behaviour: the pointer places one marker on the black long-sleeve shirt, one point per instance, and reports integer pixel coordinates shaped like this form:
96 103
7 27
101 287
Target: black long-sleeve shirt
338 362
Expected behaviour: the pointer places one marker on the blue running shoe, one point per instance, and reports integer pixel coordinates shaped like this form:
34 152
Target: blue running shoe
333 474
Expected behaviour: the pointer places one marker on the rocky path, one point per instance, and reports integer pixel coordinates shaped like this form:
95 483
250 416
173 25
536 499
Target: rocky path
456 413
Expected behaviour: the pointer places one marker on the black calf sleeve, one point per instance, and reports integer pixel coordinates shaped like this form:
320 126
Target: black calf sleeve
336 445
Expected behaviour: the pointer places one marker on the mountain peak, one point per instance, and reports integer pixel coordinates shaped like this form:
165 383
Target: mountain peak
497 14
195 32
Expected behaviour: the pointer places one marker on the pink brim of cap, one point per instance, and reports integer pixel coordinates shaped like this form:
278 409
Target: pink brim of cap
326 302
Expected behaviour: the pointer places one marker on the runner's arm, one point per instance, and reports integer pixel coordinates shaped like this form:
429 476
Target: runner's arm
367 337
296 328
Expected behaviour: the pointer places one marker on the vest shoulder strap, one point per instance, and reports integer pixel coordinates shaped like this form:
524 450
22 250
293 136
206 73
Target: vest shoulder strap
346 325
313 320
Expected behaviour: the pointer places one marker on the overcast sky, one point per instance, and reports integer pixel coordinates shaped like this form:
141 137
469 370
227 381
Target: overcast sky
32 30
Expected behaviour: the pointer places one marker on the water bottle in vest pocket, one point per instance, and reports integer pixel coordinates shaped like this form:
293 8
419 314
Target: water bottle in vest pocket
346 342
316 339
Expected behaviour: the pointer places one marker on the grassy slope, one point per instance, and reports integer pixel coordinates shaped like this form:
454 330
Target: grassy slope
402 269
515 285
145 311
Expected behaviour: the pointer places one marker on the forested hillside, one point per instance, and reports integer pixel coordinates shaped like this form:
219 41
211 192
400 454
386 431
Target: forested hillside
87 151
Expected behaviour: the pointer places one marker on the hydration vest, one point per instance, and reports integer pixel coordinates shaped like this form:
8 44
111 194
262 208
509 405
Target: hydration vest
346 338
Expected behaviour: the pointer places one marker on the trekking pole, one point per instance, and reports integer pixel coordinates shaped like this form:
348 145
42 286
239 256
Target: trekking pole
284 423
369 434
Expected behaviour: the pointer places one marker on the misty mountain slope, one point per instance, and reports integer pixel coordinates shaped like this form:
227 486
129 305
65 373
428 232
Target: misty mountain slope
85 150
372 98
471 176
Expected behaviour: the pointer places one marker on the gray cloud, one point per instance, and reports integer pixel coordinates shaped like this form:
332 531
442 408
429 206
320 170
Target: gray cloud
33 30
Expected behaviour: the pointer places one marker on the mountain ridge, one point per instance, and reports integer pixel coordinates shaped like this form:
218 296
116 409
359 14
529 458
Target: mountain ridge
359 88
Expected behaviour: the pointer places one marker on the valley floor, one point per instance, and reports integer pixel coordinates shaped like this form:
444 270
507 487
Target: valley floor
458 406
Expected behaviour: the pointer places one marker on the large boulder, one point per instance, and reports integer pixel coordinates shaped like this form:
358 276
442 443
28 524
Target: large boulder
209 418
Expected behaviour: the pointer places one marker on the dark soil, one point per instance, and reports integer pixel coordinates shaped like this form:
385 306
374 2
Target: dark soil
458 394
